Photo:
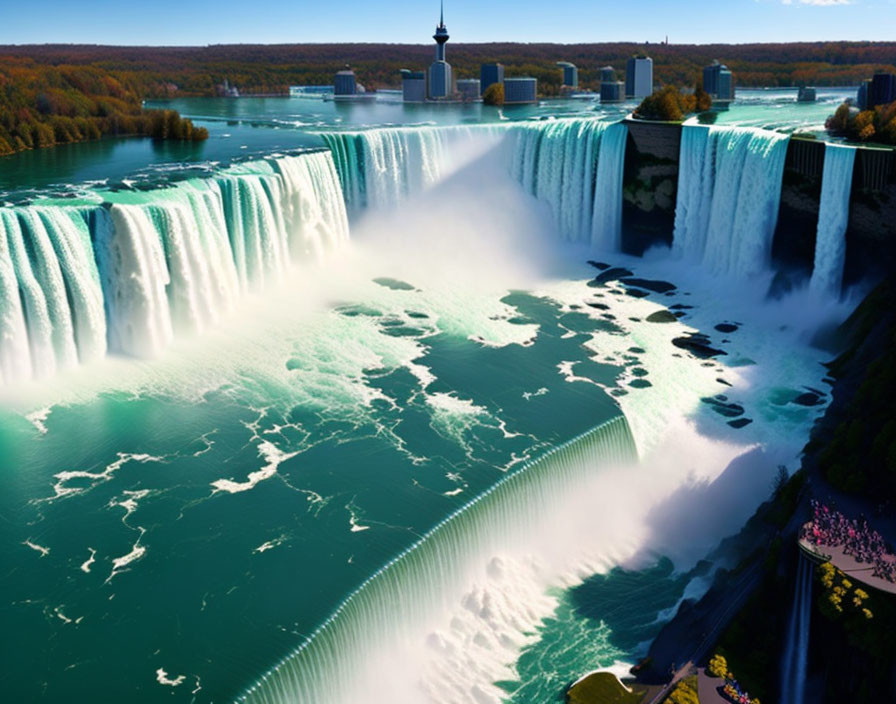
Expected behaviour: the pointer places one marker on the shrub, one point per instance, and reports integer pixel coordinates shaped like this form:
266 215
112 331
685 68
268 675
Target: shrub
494 94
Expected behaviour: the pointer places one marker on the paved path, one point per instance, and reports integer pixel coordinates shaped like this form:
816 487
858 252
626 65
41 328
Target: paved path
707 688
858 571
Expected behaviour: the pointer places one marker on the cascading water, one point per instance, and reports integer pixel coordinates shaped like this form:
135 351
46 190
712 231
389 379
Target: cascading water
383 166
52 305
796 648
434 569
133 272
833 217
729 192
573 165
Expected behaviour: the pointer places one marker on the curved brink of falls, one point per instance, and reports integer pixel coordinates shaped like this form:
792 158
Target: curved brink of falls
131 273
574 165
431 571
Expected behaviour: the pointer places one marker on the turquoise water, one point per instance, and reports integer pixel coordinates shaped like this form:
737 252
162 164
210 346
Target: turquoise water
188 524
252 127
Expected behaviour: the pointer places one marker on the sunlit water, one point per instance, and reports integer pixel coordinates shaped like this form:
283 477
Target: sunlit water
178 528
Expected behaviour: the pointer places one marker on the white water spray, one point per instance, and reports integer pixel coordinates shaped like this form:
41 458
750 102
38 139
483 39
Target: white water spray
728 197
833 217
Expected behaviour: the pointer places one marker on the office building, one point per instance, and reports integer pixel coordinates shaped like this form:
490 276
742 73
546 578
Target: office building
468 88
570 74
718 81
639 77
345 83
518 91
611 90
413 86
441 84
489 74
882 90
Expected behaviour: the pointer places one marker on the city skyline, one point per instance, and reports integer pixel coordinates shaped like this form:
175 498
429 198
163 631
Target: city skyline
400 21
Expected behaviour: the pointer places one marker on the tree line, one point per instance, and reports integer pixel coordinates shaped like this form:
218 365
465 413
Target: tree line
43 105
158 72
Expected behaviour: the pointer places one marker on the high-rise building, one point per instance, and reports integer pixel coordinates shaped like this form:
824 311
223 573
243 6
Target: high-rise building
639 77
611 90
468 89
489 74
718 81
570 74
520 90
441 85
413 86
881 91
344 83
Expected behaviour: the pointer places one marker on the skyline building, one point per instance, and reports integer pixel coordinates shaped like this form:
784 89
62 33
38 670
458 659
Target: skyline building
881 91
413 86
570 74
490 74
441 85
718 81
345 83
520 90
611 90
639 77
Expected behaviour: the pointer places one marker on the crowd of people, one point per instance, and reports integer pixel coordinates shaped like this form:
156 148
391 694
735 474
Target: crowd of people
735 694
832 528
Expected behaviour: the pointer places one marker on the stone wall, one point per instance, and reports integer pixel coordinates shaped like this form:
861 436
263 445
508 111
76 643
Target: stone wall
649 185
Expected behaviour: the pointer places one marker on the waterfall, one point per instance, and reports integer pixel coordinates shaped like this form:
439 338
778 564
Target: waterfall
422 580
51 310
383 166
131 273
796 648
729 193
833 217
573 165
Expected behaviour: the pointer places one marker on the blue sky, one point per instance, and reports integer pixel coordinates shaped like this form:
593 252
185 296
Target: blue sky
198 22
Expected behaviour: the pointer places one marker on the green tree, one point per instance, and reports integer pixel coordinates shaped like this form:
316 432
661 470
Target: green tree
494 94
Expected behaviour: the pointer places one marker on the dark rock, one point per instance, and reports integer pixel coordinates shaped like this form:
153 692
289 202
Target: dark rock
636 293
728 410
612 274
739 422
807 399
649 284
661 316
698 345
598 265
680 306
727 327
600 306
722 381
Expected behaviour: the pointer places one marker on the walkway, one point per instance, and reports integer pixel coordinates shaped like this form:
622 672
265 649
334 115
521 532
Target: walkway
858 571
707 688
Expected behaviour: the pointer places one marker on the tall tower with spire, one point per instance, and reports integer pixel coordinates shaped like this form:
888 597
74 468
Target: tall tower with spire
440 81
